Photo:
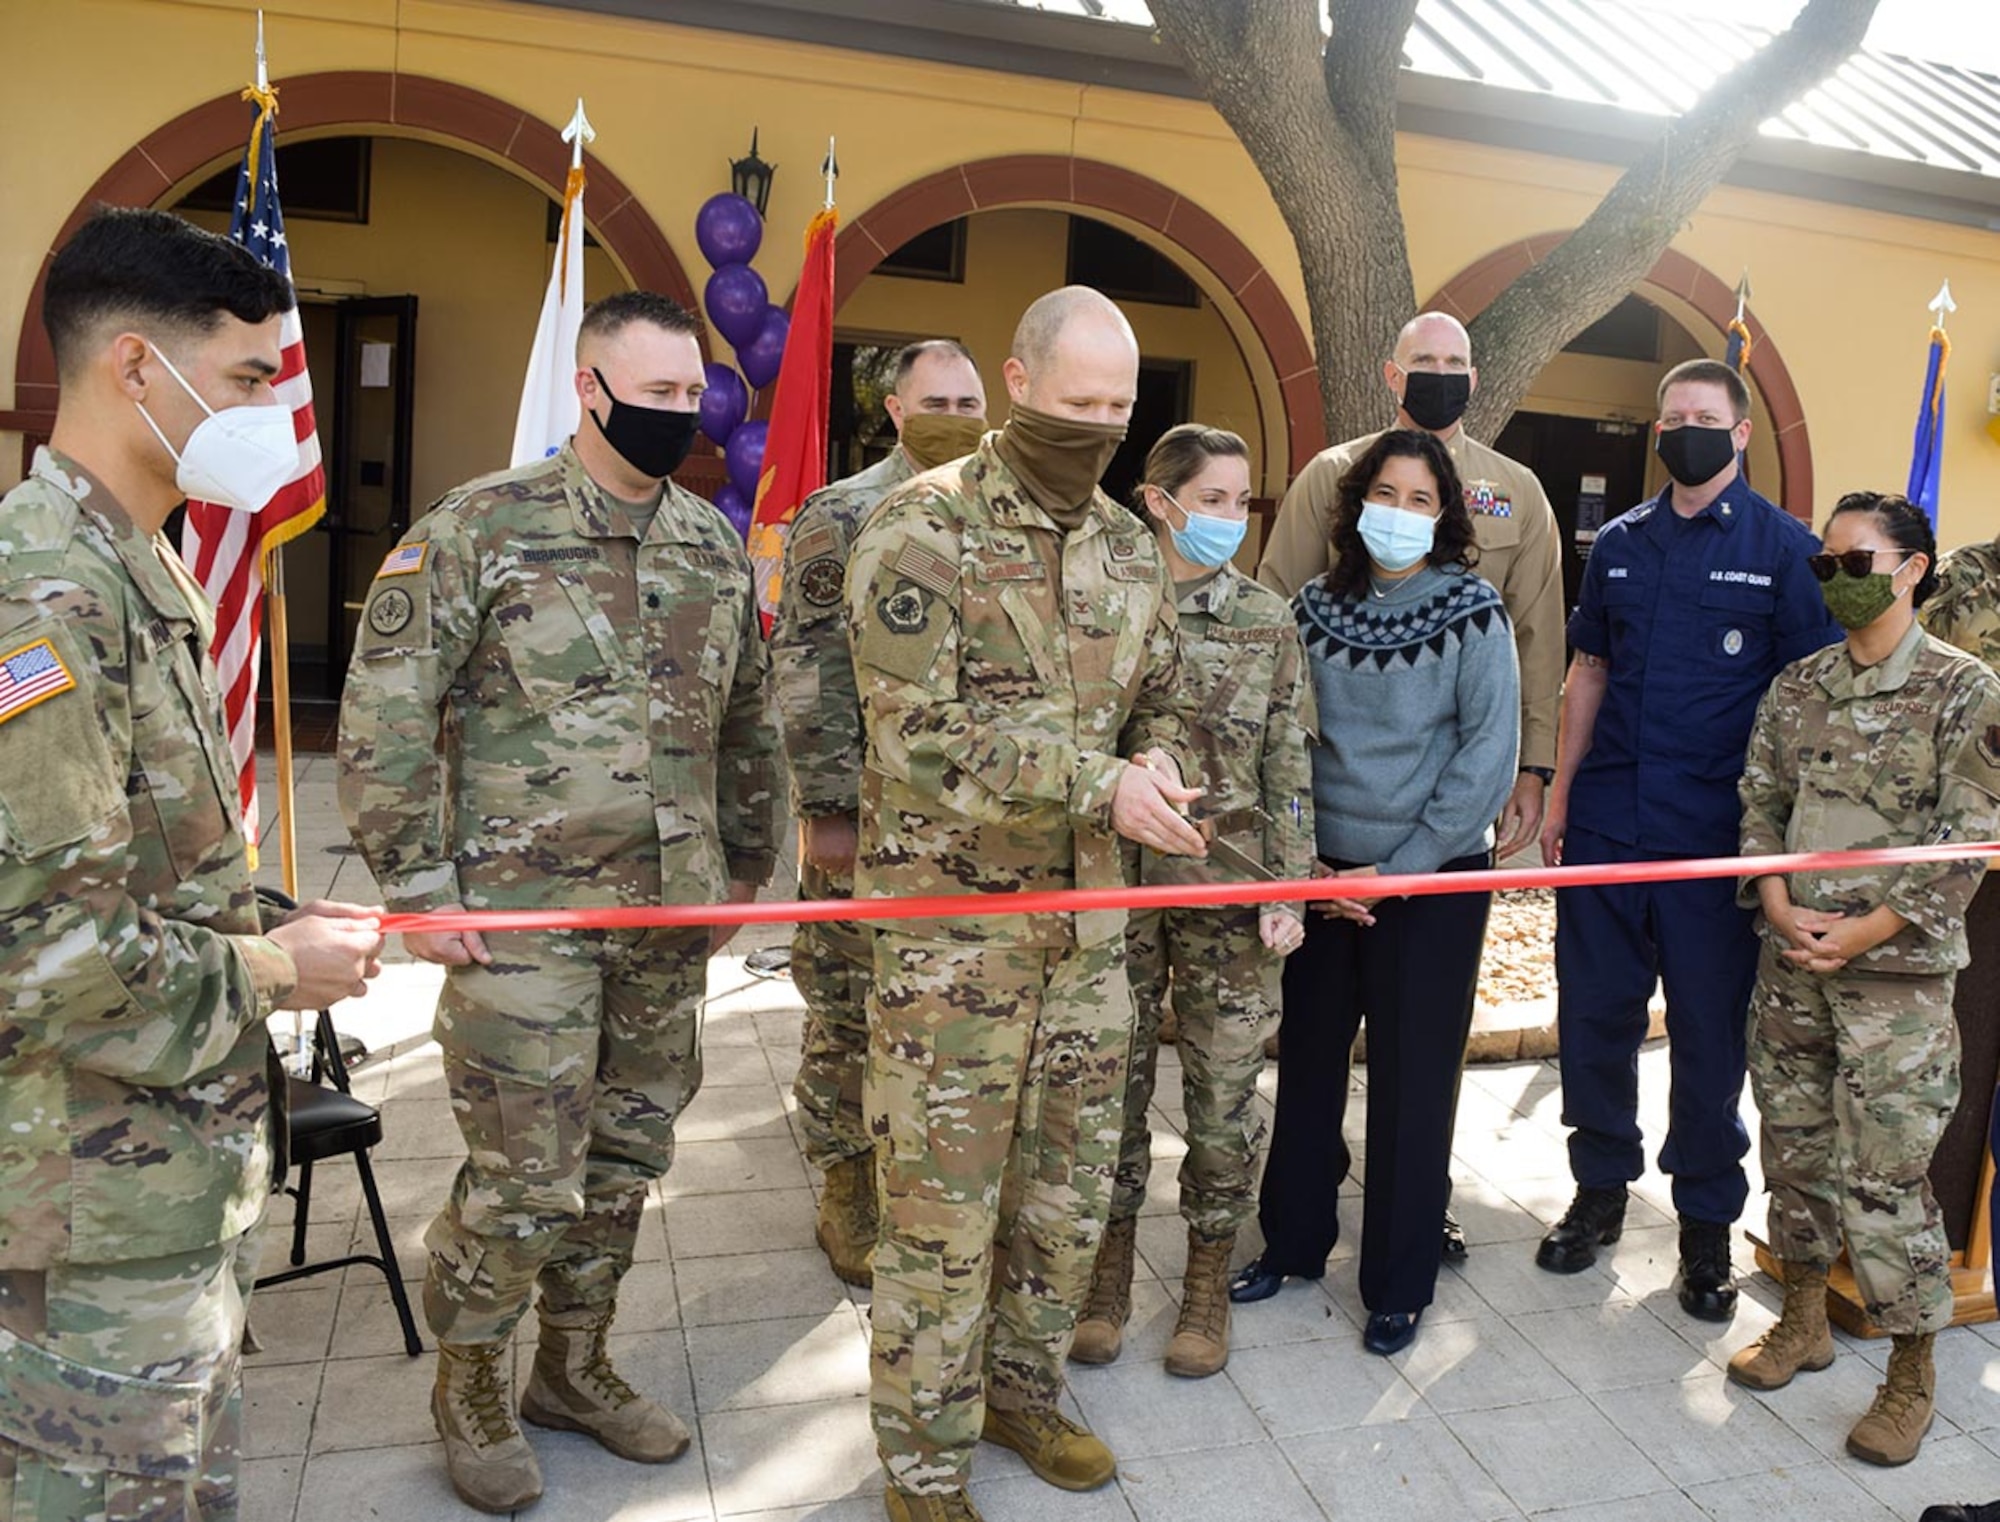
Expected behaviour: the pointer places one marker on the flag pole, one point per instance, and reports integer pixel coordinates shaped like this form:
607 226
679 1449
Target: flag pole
281 649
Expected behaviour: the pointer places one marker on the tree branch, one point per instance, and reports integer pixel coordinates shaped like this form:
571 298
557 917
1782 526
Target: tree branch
1598 264
1363 59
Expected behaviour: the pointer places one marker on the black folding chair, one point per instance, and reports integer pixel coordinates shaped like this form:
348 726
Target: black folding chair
326 1122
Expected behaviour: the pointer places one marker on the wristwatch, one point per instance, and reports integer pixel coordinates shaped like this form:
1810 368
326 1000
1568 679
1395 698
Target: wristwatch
1546 773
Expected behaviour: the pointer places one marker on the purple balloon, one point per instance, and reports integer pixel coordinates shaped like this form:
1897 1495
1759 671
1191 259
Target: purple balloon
728 229
761 357
744 455
724 403
736 301
734 506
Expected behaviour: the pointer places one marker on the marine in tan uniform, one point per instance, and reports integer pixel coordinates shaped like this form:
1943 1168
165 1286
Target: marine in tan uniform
1889 738
1014 641
135 1113
938 408
559 699
1245 671
1431 375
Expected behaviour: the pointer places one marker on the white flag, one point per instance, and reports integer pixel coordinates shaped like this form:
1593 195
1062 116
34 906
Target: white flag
549 409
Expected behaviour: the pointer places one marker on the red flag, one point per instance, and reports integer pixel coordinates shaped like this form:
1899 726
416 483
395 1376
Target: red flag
795 448
227 549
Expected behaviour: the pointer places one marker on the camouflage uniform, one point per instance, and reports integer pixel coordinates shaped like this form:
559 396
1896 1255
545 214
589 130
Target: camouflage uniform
134 1109
1243 668
1856 1072
1964 610
822 729
1004 666
605 742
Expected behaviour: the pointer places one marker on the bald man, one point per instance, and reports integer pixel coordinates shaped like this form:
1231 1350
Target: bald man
1013 636
558 699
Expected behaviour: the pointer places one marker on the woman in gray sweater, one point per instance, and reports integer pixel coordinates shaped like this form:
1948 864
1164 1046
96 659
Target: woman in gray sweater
1412 664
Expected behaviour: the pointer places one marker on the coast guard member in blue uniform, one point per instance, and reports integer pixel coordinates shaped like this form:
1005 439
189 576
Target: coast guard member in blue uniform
1690 605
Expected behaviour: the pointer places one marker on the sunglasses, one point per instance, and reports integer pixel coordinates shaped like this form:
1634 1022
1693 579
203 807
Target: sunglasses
1854 562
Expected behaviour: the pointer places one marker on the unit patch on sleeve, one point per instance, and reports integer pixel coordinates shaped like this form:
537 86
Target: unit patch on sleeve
390 611
31 674
905 610
820 582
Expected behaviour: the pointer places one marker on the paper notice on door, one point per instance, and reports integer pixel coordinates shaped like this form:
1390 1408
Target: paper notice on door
375 365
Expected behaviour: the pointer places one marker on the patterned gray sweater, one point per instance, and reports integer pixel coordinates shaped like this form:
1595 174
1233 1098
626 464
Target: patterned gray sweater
1419 718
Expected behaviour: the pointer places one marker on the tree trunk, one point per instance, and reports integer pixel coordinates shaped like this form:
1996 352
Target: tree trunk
1316 113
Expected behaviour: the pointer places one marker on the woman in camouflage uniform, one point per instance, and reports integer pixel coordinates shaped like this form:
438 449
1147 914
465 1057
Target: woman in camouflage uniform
1241 654
1891 738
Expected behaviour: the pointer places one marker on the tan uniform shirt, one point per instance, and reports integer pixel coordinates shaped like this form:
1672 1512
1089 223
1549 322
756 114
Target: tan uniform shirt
1518 553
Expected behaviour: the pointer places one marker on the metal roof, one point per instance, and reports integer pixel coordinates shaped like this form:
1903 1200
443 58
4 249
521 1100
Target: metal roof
1610 53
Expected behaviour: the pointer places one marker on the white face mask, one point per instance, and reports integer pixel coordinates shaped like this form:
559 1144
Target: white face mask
237 457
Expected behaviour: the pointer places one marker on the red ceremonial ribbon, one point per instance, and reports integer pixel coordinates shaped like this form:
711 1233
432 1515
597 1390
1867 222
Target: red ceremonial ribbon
1179 895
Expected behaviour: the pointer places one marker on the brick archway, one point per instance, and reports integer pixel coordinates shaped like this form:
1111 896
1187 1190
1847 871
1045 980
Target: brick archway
405 103
1055 180
1468 292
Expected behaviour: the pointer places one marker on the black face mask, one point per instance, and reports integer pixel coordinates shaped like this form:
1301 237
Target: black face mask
1695 455
1434 400
652 442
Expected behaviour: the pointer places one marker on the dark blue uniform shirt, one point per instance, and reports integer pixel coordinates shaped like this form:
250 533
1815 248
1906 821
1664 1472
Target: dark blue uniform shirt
1695 616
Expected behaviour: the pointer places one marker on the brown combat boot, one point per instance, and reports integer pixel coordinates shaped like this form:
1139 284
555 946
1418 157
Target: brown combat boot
848 1223
1100 1330
951 1506
1800 1342
1201 1337
574 1388
1068 1456
1894 1428
490 1463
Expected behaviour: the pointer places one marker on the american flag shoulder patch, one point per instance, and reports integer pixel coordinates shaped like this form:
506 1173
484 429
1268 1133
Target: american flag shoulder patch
31 674
404 560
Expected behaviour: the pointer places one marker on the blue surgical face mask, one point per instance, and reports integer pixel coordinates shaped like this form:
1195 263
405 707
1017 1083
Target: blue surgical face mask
1396 537
1207 540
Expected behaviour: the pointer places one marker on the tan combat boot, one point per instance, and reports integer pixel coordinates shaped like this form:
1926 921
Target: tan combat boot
1201 1336
1068 1456
951 1506
1800 1342
848 1223
489 1461
1894 1428
574 1388
1100 1330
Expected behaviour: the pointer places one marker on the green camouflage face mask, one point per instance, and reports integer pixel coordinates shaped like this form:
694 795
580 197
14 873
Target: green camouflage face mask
1857 601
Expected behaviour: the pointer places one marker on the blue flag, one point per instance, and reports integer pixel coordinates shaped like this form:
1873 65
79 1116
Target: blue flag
1927 446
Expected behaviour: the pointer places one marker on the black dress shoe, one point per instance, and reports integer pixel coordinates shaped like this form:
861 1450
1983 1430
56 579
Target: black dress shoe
1256 1281
1595 1218
1990 1512
1703 1285
1391 1331
1454 1239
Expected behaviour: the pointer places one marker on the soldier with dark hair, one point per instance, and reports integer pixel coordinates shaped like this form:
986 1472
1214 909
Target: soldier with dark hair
1890 738
135 1109
558 698
938 408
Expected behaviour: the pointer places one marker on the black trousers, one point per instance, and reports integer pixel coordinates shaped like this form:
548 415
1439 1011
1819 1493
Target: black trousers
1411 976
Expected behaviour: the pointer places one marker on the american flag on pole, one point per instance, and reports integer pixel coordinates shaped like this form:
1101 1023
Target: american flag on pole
224 548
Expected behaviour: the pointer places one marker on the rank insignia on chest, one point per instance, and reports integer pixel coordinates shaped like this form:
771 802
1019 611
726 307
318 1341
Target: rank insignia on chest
820 582
1481 498
904 611
29 675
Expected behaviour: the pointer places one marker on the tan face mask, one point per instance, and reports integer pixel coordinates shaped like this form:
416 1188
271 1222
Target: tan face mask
1060 460
933 438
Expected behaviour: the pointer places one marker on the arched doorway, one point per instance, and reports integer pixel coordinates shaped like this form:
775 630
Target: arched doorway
1687 293
1266 334
163 164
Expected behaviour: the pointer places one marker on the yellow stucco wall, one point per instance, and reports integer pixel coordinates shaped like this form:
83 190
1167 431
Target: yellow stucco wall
1841 290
